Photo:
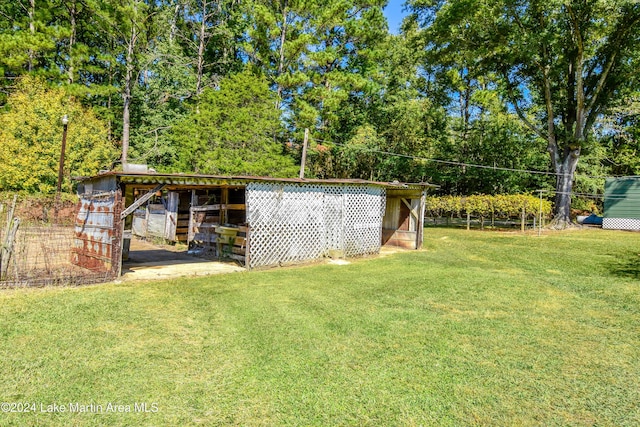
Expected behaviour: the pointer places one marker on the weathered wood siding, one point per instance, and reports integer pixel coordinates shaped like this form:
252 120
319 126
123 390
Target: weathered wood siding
403 220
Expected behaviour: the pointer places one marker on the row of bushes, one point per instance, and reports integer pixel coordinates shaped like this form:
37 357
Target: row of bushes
487 206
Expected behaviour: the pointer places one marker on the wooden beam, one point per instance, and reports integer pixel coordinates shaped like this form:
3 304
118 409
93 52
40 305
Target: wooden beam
135 205
411 209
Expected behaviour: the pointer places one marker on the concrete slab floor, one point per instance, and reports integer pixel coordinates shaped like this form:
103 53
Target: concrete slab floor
148 261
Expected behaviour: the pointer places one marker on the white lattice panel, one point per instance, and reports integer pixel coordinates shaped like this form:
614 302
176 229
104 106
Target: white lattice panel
363 213
297 222
286 223
621 223
333 207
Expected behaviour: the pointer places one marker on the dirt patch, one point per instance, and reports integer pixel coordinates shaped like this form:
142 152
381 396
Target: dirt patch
41 209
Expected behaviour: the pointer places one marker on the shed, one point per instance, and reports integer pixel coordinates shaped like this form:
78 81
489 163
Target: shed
622 203
254 220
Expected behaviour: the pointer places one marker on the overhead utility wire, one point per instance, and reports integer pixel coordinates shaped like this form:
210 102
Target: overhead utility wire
471 165
589 195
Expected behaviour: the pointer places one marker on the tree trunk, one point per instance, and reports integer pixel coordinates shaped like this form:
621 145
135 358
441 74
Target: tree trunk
283 38
174 26
32 30
72 39
564 185
126 96
202 44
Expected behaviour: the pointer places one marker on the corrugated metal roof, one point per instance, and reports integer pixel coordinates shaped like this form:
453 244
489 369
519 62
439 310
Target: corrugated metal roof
199 180
622 197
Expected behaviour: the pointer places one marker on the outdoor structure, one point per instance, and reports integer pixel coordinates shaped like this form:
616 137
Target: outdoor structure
622 203
256 221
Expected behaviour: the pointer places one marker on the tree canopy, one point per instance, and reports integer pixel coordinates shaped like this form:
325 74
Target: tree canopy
558 64
31 134
233 131
471 95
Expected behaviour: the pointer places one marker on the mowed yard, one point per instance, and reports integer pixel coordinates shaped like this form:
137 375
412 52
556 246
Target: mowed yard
479 328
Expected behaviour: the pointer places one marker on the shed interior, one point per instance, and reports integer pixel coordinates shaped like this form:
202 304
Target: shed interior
210 221
403 219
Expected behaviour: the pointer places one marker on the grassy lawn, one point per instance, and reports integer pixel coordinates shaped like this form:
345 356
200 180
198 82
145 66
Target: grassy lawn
480 328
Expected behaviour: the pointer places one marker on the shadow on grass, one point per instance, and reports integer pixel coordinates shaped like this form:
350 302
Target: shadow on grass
627 265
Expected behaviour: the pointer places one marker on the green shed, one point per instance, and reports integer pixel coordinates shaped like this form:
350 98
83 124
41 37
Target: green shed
622 203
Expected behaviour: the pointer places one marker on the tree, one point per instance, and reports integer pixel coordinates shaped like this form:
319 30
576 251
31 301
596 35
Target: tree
393 113
160 103
231 130
620 133
180 49
278 37
27 43
559 64
135 18
31 135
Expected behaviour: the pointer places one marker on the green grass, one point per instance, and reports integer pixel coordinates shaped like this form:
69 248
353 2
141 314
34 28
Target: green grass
480 328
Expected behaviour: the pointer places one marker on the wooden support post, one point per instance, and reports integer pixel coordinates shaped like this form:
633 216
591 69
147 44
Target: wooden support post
420 233
468 221
9 240
304 152
540 216
192 224
224 201
522 219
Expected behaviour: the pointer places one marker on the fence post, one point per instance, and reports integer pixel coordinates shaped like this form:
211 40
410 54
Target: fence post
522 219
9 240
468 221
540 215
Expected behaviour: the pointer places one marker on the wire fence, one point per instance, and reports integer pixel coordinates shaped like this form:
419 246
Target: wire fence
484 223
40 254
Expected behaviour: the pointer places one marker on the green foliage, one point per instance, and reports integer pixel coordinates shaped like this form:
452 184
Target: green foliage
465 81
358 158
558 64
233 130
27 38
492 137
501 205
330 74
620 132
159 105
393 110
31 135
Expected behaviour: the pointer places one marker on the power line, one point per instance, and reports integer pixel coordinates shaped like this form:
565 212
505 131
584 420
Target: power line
588 195
470 165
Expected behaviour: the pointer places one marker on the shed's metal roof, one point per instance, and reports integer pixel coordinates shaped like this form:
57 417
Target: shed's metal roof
199 180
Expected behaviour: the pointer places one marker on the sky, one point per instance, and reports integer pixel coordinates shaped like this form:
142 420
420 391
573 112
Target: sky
394 15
